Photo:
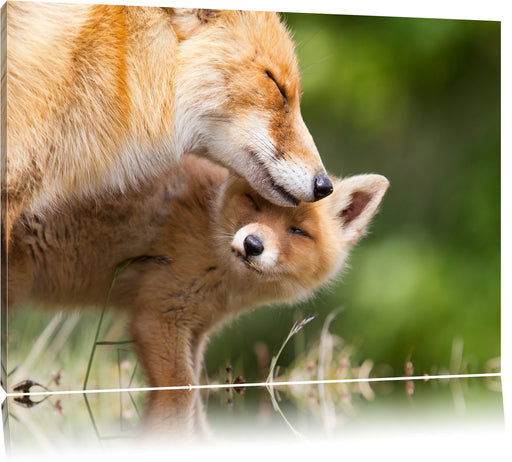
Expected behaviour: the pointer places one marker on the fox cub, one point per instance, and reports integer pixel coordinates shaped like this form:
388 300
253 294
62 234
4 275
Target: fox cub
220 249
102 96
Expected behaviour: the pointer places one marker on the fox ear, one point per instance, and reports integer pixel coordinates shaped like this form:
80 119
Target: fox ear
187 21
359 198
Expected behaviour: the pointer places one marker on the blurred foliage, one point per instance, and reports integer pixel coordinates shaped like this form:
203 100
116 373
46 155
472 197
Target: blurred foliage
417 100
53 349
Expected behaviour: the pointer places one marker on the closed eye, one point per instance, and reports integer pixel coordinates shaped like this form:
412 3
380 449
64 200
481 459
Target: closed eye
253 202
298 231
281 89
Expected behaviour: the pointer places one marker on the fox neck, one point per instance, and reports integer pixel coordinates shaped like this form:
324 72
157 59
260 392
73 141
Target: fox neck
244 290
216 289
189 123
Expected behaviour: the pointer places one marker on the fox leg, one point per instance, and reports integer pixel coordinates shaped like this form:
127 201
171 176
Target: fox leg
162 340
201 422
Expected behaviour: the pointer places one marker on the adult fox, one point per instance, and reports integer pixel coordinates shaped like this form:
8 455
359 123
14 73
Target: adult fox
102 96
228 249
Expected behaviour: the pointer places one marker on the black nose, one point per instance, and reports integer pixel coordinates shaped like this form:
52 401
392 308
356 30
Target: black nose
253 246
323 186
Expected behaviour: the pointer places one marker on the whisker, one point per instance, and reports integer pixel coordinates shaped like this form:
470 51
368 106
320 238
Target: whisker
309 66
266 146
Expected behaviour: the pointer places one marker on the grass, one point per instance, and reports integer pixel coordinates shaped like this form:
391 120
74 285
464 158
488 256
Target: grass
297 326
118 270
55 360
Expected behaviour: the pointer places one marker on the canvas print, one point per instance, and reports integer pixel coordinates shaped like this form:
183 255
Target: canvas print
210 216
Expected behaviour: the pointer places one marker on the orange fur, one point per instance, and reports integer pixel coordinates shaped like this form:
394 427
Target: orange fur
200 218
102 97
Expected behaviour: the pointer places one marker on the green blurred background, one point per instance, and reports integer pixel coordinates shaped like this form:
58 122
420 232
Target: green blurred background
417 100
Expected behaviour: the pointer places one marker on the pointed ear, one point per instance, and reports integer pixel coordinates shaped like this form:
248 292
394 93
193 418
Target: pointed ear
187 21
358 199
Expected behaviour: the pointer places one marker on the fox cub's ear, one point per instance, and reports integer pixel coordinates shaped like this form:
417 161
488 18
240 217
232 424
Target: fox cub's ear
187 21
357 200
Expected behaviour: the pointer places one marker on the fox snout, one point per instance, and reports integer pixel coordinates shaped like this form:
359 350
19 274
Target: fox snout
253 245
322 186
290 191
256 245
295 169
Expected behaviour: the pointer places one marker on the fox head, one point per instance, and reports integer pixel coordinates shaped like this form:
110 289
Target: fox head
285 253
237 100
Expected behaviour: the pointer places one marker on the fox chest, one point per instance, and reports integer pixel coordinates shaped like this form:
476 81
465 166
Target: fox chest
197 299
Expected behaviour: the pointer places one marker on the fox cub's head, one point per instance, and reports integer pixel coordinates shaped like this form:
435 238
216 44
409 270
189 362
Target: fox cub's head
285 253
237 99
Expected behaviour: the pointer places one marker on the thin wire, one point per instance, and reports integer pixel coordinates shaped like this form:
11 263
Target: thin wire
262 384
